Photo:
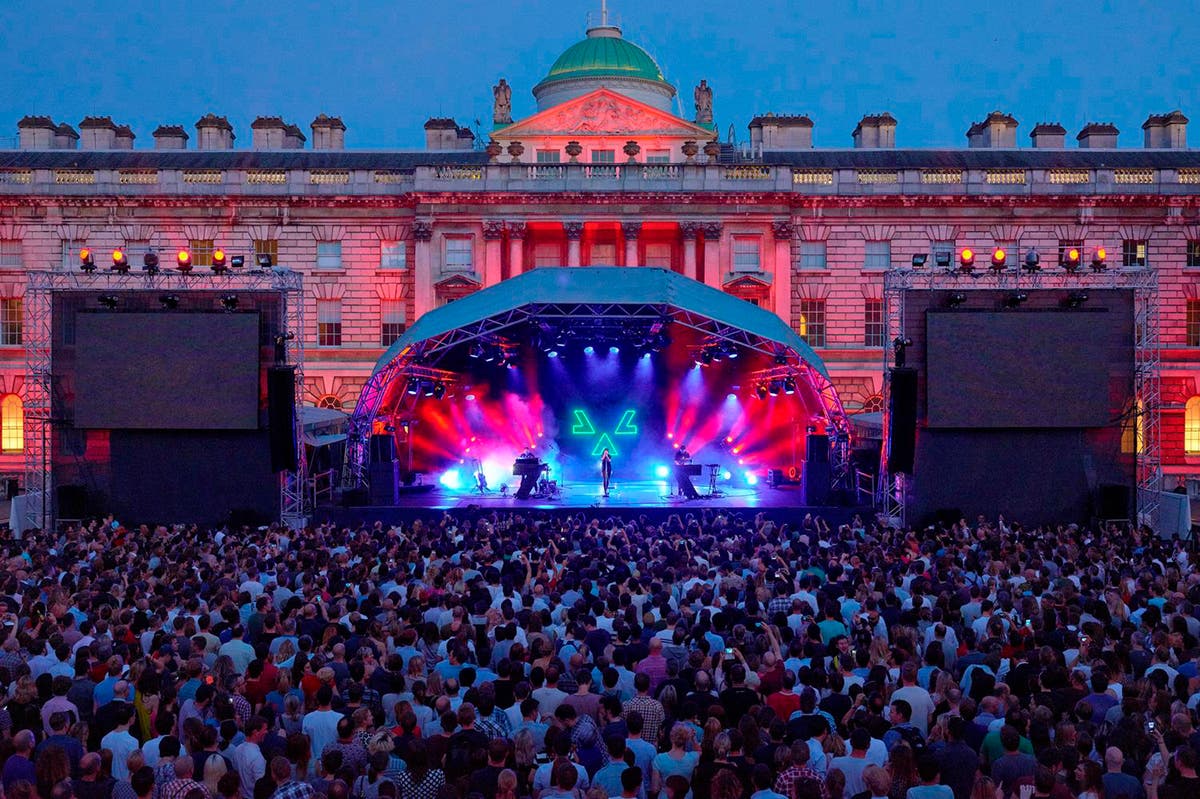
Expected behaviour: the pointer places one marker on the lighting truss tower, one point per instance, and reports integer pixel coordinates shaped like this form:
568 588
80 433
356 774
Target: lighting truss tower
892 496
41 288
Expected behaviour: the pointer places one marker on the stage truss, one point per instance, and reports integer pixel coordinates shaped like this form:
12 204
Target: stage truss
653 316
40 410
892 490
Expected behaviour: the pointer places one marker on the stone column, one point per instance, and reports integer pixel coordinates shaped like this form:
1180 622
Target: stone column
689 230
516 248
712 254
631 231
423 296
493 233
574 231
782 276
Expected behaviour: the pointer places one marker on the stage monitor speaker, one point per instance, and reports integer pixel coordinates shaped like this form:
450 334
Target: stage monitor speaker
383 448
1112 501
902 420
816 447
281 417
384 480
816 482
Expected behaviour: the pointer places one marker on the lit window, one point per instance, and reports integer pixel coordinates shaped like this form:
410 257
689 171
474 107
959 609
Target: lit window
659 255
329 402
12 424
813 255
329 255
11 322
1192 325
547 253
1191 426
1193 253
1133 431
746 254
811 324
10 254
874 329
604 255
878 255
329 323
201 251
1133 252
393 322
459 253
266 247
393 255
873 404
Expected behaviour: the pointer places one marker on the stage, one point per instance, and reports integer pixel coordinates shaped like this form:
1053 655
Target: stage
654 499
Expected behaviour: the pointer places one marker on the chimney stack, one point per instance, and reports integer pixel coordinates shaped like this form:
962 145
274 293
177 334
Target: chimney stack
266 133
170 137
214 133
36 133
441 133
876 131
1098 136
788 132
1048 136
98 133
1166 131
328 133
123 140
65 137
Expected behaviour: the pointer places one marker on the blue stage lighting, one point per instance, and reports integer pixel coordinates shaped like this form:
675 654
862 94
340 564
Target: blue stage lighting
726 475
661 471
589 349
451 479
613 350
751 478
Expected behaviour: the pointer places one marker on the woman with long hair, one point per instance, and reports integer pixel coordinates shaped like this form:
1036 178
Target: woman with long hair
1089 776
52 766
506 784
676 761
902 768
419 781
299 753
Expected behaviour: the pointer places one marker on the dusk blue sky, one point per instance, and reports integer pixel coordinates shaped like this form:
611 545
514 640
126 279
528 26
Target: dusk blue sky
386 67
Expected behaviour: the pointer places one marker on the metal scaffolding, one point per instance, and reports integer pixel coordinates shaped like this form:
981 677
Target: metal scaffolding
40 411
891 495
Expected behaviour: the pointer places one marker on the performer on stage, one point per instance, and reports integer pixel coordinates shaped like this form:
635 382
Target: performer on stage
606 468
529 468
682 480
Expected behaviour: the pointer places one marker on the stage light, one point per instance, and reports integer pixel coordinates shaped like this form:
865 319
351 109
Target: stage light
169 302
183 261
942 258
229 302
731 350
1015 299
999 259
774 388
439 390
918 260
1033 261
589 349
119 262
218 262
956 299
264 260
109 301
552 354
427 389
237 261
1076 299
451 479
1099 259
761 391
966 259
726 475
751 479
613 350
789 385
414 386
731 396
781 359
476 350
706 357
662 471
645 355
87 262
150 263
1070 259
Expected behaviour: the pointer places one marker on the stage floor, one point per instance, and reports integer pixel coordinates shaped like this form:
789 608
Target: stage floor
652 498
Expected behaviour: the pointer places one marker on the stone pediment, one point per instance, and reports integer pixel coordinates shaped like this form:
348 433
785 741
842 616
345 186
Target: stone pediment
458 281
603 113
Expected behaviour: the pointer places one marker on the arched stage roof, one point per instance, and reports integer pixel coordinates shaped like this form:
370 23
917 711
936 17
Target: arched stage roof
604 285
636 294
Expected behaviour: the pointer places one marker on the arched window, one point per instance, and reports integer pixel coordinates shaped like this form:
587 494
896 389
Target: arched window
12 424
873 404
330 402
1191 426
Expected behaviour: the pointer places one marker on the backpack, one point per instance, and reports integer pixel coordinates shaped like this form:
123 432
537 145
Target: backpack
912 736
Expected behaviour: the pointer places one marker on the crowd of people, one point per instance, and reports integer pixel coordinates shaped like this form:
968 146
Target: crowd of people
558 656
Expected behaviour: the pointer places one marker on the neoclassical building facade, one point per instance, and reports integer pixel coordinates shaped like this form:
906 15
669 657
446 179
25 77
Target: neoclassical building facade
605 172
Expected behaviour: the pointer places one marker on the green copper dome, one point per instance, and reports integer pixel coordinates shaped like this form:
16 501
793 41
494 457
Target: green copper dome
604 54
